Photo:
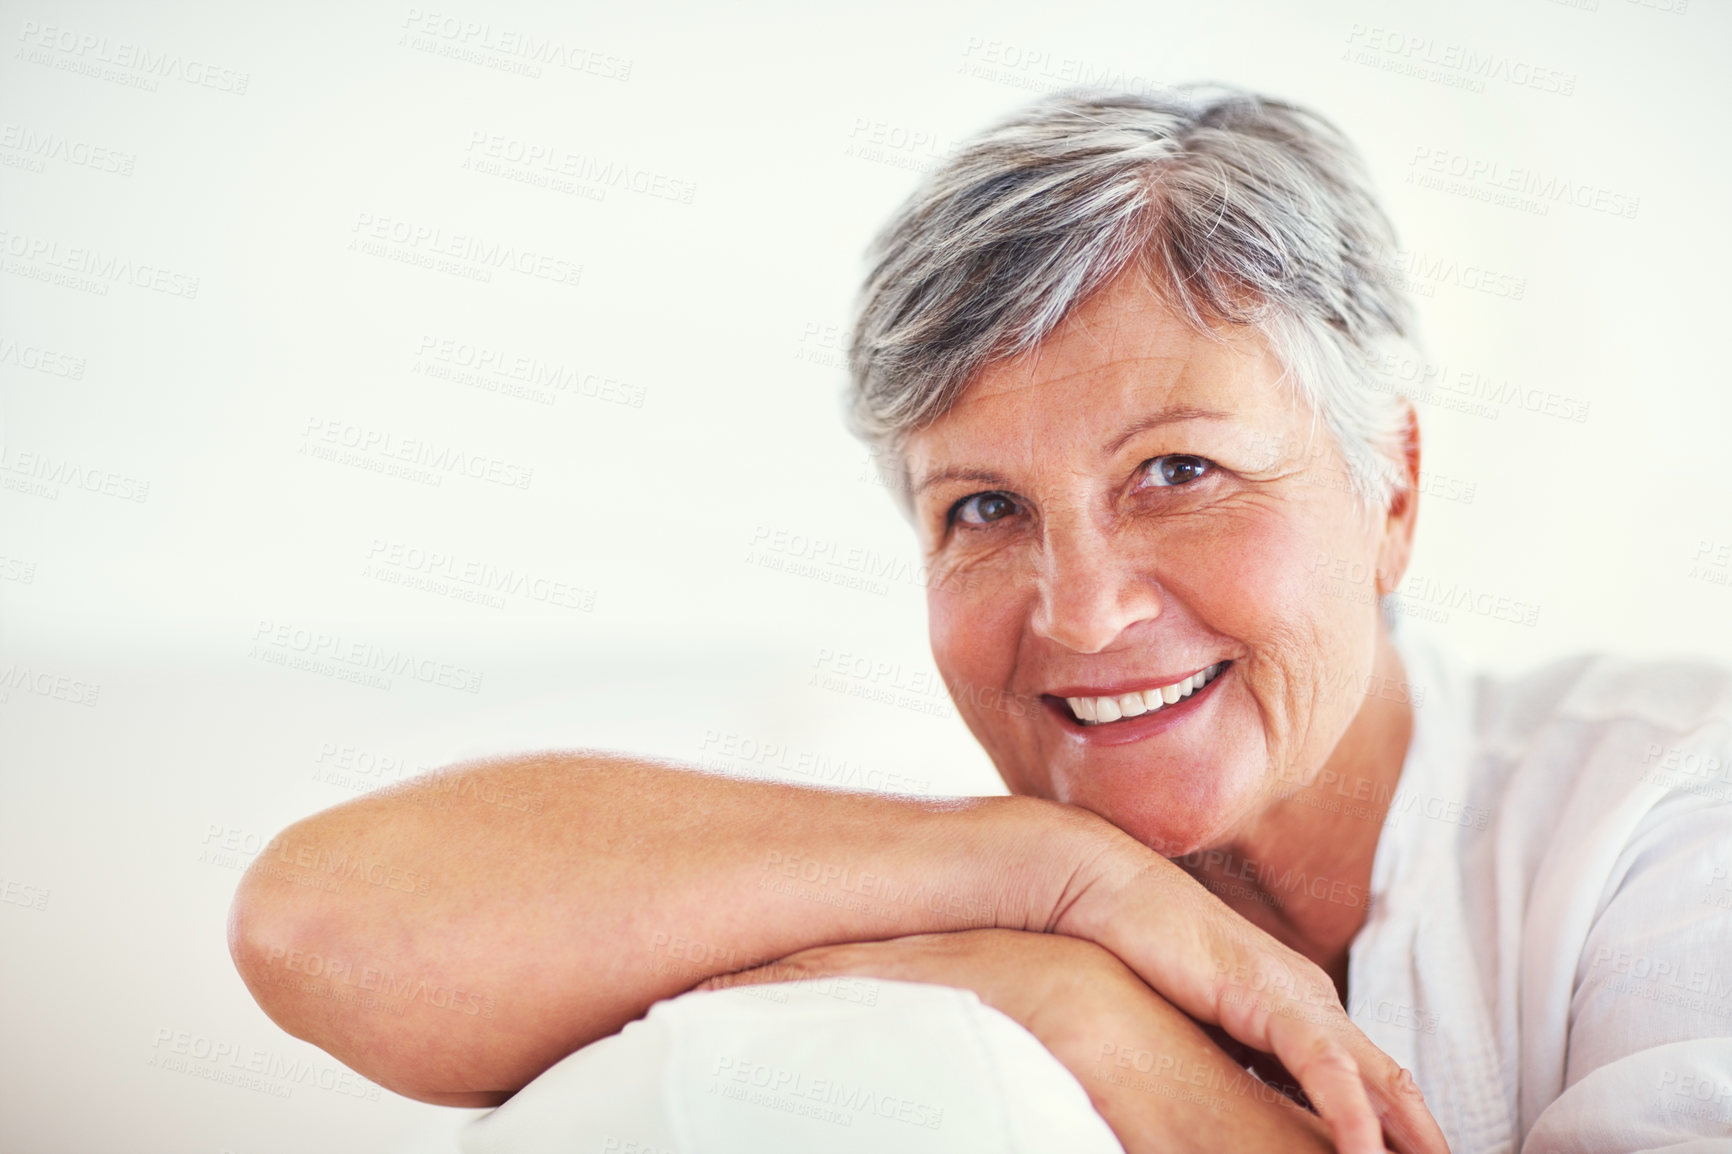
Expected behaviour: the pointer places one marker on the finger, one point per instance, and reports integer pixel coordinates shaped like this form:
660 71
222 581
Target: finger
1215 966
1407 1124
1398 1101
1331 1079
1305 1025
1284 1006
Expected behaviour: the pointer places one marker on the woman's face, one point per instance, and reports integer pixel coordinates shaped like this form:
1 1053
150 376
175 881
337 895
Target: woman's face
1130 506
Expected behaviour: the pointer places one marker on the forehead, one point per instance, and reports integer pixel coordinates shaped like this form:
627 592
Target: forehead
1124 357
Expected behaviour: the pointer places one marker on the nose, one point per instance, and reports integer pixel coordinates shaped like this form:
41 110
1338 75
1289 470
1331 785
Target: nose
1093 585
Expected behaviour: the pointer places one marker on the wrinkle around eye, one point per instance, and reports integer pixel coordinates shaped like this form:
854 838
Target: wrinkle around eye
962 544
981 557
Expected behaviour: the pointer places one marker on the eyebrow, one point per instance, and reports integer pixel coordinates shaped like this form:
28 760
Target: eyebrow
1141 425
1165 417
959 473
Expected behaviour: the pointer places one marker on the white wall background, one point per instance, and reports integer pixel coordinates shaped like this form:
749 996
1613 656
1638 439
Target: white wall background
168 536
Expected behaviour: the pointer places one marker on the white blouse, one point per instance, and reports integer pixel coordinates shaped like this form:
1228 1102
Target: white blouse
1549 950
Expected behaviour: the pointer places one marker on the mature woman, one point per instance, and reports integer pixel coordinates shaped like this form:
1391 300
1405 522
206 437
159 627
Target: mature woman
1118 356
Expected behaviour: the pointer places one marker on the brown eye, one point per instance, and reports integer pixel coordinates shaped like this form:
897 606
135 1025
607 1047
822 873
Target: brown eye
1175 469
982 508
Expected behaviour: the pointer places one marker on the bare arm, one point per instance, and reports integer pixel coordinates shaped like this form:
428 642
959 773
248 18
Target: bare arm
453 937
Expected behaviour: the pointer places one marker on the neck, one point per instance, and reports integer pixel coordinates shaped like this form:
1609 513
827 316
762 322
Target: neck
1302 870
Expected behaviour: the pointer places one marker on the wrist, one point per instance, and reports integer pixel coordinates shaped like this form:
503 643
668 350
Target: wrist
1050 866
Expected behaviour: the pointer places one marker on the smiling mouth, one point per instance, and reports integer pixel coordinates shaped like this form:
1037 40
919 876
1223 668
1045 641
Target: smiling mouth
1095 711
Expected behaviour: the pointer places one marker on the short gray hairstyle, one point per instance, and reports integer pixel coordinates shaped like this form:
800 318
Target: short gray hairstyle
1245 210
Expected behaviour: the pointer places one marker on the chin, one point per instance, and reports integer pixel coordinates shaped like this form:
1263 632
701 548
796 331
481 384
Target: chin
1173 818
1174 839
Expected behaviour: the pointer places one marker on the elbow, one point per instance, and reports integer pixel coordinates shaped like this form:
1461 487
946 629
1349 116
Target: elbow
276 942
285 941
260 933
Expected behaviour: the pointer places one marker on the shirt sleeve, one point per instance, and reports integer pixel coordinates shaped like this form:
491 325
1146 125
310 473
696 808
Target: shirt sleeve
1649 1056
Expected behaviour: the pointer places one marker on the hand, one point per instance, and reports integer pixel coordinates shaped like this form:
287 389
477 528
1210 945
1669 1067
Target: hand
1151 1072
1218 968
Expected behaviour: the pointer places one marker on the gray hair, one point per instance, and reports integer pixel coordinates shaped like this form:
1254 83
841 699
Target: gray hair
1246 210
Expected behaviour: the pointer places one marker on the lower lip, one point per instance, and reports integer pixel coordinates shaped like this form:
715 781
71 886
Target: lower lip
1135 728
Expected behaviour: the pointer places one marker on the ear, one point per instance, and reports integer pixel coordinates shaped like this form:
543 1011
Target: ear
1396 548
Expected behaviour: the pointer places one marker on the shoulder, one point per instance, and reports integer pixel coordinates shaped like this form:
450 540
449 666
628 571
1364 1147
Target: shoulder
1672 716
1676 693
1574 761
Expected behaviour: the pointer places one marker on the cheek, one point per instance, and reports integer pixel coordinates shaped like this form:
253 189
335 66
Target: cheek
1262 579
1249 577
975 638
973 634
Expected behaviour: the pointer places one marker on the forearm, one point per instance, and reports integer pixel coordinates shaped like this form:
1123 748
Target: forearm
451 946
1157 1077
1163 1084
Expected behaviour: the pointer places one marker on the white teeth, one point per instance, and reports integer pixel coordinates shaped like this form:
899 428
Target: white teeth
1100 710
